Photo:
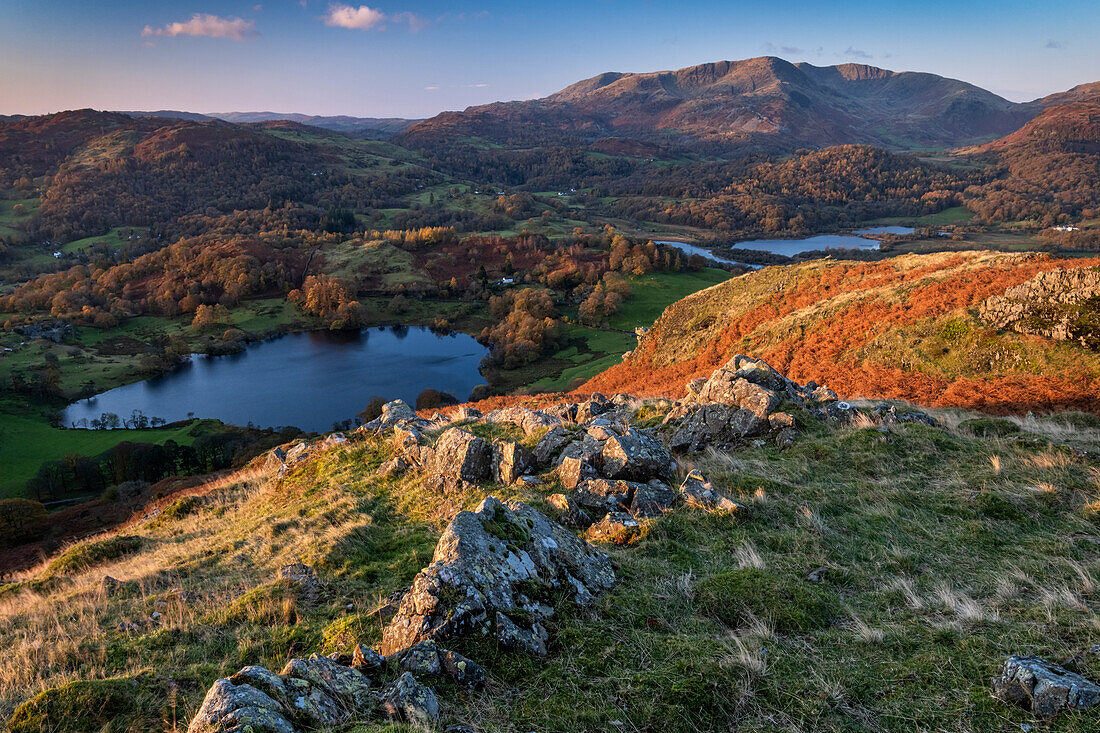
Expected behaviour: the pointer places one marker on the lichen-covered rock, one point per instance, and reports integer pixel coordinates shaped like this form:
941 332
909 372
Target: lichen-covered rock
652 499
780 420
410 702
714 424
302 702
510 461
586 448
600 496
346 685
427 659
230 708
569 512
637 455
574 471
595 406
1051 304
600 431
460 669
1045 688
511 635
302 576
699 492
551 444
393 467
407 436
420 659
823 395
485 567
617 527
785 438
446 484
563 412
467 413
464 455
365 659
530 421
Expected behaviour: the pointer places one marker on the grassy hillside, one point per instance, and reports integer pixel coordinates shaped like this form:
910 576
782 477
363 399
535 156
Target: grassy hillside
939 552
903 328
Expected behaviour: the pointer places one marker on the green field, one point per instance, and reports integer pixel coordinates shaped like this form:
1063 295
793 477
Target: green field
26 442
603 348
651 294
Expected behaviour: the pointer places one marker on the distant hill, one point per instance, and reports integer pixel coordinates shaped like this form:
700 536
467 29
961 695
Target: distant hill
1066 128
1079 93
904 328
373 127
763 101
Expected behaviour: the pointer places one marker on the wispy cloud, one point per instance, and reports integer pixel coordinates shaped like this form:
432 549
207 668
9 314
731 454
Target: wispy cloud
857 53
209 26
770 47
1051 43
476 85
415 22
365 18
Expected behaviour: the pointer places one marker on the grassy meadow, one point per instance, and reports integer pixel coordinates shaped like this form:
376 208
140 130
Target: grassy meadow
939 551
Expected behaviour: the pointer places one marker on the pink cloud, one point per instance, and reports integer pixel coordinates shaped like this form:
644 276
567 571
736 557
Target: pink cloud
365 18
361 18
210 26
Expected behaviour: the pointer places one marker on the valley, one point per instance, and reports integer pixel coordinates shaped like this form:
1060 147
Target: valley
749 395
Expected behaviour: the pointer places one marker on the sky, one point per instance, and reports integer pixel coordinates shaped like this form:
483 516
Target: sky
415 58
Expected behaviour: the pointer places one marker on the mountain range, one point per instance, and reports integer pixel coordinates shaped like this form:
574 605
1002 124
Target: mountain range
765 101
759 103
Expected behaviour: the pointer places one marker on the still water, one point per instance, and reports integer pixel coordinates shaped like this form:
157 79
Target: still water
791 247
308 380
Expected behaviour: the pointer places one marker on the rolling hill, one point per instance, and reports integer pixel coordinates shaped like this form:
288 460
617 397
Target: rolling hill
904 328
380 128
764 101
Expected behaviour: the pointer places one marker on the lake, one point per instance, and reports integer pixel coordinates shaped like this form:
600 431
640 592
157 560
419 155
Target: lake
309 380
791 247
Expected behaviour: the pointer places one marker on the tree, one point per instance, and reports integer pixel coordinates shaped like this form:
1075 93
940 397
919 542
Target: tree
372 410
430 399
21 520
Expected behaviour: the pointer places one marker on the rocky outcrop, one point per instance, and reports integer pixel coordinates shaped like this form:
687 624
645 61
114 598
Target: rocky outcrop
494 571
528 420
511 461
237 708
617 527
737 402
463 455
637 455
317 692
410 702
717 424
1054 304
1045 688
302 577
324 693
700 493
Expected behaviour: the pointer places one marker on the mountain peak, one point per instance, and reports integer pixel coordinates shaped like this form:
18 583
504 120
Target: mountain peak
763 101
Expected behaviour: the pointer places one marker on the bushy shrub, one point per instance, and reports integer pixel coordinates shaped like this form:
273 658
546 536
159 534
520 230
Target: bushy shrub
89 554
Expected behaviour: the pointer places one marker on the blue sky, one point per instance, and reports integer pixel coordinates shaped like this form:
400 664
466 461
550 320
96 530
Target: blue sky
413 58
